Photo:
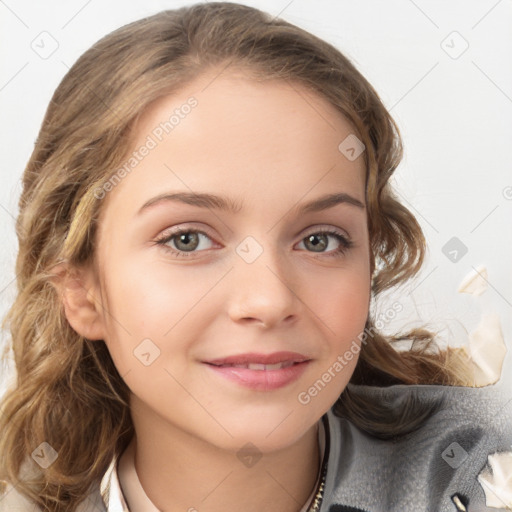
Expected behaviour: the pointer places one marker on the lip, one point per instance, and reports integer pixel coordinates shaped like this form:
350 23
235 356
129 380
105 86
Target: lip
294 364
254 358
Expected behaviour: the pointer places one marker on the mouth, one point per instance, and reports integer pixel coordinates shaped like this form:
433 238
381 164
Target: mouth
260 362
262 372
258 366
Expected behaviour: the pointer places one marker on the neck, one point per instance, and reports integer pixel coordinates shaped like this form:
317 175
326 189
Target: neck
179 471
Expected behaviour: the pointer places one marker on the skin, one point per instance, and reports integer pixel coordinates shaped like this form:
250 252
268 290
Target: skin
268 146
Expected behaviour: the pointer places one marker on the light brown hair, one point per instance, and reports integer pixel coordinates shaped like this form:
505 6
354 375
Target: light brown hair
68 392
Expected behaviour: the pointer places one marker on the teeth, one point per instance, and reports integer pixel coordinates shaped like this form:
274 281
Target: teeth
276 366
263 367
257 366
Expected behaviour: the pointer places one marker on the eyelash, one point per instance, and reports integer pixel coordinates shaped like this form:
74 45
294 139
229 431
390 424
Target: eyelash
345 243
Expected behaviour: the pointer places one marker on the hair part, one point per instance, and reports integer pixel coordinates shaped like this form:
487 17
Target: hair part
68 392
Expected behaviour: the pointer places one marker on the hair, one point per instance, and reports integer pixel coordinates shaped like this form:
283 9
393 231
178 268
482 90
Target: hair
67 391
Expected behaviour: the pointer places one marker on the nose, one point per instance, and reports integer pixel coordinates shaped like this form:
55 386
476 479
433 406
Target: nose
263 292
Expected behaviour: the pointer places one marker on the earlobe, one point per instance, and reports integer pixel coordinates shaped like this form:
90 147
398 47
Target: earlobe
80 297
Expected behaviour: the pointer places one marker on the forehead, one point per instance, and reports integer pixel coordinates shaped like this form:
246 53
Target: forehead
245 137
234 103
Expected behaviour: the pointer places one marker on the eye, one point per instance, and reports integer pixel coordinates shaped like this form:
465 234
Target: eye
319 240
184 240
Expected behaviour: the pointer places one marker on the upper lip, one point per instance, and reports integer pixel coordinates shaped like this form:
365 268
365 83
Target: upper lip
253 358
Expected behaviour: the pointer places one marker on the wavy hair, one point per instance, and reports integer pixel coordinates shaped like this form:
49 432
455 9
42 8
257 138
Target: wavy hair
67 391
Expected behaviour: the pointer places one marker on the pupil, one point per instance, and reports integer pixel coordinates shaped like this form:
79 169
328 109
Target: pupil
186 240
318 242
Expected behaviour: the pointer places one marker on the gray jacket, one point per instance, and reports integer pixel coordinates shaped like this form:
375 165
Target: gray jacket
429 470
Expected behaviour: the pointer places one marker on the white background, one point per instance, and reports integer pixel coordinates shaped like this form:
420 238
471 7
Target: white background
455 115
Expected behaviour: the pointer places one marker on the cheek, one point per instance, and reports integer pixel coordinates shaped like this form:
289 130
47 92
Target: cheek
347 322
342 311
342 301
149 296
156 304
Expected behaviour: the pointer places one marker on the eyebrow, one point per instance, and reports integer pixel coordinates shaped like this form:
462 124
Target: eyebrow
205 200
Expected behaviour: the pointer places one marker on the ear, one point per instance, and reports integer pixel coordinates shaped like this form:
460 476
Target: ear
78 289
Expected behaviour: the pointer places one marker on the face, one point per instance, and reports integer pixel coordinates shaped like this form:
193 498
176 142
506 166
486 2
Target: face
229 316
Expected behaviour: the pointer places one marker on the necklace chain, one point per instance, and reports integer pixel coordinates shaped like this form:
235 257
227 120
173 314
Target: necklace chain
317 500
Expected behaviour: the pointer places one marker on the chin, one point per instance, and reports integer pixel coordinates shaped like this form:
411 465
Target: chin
267 432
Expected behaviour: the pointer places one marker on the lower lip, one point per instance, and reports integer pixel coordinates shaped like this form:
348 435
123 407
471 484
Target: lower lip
261 380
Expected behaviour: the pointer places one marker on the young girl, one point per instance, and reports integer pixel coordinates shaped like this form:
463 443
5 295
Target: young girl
204 221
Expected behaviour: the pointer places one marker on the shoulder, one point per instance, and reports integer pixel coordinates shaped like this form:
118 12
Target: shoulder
447 454
13 501
454 406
